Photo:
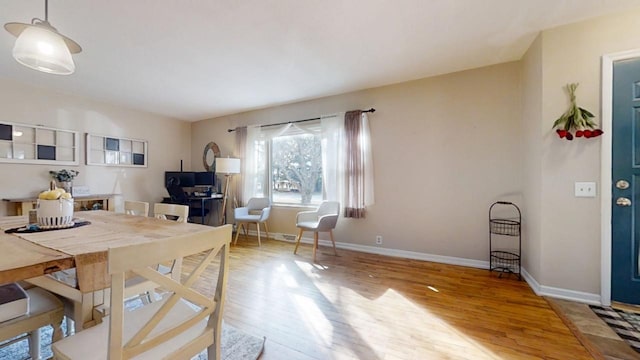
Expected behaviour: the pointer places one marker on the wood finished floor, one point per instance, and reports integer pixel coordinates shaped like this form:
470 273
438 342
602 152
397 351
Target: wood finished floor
365 306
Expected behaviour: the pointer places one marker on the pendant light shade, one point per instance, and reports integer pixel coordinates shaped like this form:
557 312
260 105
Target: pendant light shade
41 47
43 50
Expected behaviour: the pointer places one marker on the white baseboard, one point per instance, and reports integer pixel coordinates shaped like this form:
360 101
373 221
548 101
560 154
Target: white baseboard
540 290
560 293
388 252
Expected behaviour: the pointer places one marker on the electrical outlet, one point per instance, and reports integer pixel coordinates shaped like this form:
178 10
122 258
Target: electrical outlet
585 189
379 239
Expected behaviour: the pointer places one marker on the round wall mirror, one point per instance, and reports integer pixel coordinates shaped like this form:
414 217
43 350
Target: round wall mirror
211 152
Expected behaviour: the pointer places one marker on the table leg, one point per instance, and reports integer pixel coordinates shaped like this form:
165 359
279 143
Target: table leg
202 211
79 306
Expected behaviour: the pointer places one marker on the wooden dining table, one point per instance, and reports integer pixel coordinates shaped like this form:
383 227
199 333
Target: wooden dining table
33 256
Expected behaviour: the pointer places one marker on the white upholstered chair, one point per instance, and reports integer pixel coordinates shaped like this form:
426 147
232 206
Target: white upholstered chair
256 212
44 309
324 218
140 208
178 327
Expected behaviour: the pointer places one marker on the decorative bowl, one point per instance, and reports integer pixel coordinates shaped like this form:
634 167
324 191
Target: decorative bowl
55 213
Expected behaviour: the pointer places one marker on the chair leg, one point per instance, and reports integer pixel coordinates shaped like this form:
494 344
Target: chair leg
235 242
176 270
213 352
266 229
145 298
258 229
315 244
333 242
57 330
298 240
34 344
70 325
245 226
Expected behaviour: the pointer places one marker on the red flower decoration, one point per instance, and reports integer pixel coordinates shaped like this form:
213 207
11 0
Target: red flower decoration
576 119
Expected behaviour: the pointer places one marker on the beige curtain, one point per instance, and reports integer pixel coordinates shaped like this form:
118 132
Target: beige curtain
240 153
358 167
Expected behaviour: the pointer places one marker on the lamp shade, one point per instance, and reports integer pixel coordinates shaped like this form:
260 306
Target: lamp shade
228 166
44 50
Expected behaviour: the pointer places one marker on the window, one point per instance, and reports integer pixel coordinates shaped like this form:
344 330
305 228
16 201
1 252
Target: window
292 158
296 169
307 162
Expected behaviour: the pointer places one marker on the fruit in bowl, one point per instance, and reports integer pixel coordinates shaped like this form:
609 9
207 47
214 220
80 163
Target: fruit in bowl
55 208
57 193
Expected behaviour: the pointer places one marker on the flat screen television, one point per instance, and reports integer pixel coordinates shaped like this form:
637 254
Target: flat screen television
185 178
205 178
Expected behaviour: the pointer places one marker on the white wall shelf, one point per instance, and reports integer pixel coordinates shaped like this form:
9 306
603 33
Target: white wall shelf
29 144
108 150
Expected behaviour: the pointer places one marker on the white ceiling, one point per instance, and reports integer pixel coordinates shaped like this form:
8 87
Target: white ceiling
197 59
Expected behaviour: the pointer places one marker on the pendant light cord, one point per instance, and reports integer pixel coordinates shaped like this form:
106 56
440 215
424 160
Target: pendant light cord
38 21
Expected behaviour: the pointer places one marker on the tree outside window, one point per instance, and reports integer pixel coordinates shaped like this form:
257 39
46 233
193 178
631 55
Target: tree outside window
296 169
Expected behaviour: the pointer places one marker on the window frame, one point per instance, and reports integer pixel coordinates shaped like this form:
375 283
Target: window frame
270 171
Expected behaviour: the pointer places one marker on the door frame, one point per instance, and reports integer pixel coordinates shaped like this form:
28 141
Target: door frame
605 169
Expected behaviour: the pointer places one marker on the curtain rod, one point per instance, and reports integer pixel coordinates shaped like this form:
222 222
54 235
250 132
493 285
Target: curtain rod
372 110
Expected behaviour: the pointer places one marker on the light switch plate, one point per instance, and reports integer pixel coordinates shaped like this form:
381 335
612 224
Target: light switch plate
585 189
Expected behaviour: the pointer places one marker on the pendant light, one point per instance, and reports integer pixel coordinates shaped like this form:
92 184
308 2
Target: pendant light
41 47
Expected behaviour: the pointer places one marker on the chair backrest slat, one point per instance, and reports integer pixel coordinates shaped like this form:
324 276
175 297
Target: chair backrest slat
141 259
162 210
140 208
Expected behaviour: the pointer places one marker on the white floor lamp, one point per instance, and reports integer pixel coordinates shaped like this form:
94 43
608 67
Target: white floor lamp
228 167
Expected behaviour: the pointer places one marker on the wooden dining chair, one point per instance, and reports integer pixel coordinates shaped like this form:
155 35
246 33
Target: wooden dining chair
178 327
140 208
44 309
137 286
162 210
78 303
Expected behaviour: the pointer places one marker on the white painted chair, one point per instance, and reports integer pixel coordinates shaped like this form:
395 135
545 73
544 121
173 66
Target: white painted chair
162 210
256 212
137 286
139 208
178 327
77 303
44 309
324 218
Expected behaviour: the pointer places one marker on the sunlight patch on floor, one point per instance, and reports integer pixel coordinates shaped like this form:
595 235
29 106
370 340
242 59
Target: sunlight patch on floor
314 318
288 279
403 317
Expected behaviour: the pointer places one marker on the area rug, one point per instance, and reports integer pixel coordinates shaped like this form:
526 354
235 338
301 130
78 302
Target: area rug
625 324
235 345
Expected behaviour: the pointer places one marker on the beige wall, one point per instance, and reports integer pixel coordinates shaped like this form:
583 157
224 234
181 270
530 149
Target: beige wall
445 148
569 232
532 130
169 141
